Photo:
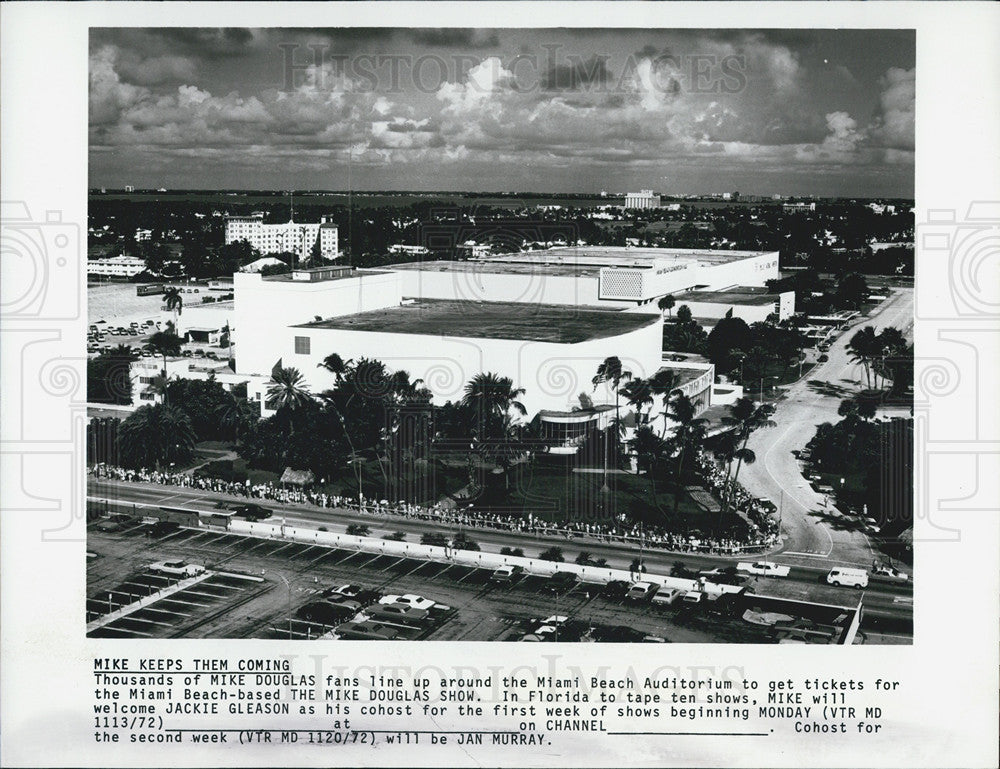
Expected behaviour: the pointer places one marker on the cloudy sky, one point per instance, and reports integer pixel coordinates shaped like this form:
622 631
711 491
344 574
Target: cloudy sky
823 112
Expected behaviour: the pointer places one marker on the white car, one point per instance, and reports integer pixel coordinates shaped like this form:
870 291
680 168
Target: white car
641 590
416 601
763 569
176 568
507 573
890 573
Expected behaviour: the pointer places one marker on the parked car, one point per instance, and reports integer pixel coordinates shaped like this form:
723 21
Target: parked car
160 528
415 601
667 596
367 630
108 525
324 613
176 568
507 574
398 613
616 590
764 569
560 582
889 573
641 591
356 593
346 604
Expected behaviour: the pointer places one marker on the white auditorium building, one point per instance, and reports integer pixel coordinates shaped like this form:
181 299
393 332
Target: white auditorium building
546 319
292 237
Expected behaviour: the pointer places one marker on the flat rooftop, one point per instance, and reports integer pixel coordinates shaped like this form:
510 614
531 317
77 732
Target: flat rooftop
286 277
561 324
735 296
684 375
490 266
617 256
578 261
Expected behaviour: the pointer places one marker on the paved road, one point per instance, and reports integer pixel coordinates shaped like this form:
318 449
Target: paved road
804 583
812 528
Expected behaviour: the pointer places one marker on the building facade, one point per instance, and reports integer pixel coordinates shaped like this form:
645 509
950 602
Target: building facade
291 237
642 199
116 266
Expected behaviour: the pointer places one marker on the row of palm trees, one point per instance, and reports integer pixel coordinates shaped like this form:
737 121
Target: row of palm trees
871 349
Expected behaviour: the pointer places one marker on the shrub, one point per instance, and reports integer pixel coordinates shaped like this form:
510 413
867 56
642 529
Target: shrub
552 554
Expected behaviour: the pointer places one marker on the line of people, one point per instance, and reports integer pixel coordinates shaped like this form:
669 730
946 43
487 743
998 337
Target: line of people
620 531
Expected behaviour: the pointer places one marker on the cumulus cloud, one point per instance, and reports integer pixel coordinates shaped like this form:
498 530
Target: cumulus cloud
894 120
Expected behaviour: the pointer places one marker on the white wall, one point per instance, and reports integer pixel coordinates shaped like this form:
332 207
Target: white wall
264 309
552 374
752 271
487 286
751 313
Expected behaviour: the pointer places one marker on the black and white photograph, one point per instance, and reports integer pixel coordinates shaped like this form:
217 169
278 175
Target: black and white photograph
637 359
501 335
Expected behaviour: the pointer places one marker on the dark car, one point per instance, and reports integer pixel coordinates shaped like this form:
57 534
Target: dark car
397 613
355 593
161 528
252 512
724 575
616 590
560 582
345 604
108 524
367 631
325 613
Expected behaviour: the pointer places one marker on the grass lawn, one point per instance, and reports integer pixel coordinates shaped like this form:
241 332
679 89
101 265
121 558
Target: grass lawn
556 493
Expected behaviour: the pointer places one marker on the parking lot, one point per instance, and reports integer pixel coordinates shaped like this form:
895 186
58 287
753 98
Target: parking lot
256 588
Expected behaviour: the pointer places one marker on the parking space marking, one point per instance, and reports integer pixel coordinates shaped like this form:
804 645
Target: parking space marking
394 563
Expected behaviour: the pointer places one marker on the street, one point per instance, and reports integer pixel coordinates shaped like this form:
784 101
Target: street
811 527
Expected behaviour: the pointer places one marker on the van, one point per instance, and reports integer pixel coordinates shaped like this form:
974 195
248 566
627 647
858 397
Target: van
857 578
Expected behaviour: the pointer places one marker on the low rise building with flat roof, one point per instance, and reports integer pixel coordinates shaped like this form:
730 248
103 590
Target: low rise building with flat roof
617 277
751 303
552 351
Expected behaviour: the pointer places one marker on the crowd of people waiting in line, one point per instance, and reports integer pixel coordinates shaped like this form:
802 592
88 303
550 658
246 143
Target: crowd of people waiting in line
763 537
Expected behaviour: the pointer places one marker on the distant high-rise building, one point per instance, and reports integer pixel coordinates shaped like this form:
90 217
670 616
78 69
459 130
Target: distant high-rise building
642 199
290 237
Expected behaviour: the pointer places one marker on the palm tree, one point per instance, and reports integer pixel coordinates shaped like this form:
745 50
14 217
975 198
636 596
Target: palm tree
491 395
491 399
235 413
612 371
286 391
662 384
156 435
688 436
638 393
864 349
889 343
667 303
746 417
174 301
164 343
158 386
336 365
